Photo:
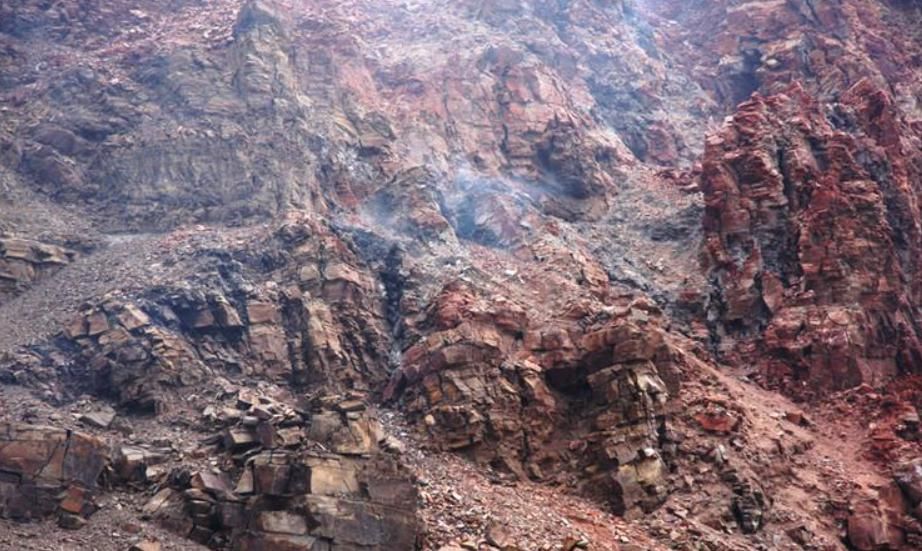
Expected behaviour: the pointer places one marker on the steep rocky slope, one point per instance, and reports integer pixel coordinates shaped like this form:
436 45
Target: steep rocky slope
444 275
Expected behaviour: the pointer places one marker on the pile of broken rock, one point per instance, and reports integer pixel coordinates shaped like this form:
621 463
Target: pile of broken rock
271 476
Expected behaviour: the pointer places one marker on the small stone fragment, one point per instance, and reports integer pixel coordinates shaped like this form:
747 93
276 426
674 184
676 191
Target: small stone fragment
101 419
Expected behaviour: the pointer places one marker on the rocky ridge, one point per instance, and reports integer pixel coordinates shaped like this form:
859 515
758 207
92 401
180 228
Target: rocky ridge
517 227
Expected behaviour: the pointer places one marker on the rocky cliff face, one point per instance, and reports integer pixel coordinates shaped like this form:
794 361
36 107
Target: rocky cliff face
813 237
439 275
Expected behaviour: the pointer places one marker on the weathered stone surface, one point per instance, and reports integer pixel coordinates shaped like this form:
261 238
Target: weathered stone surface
132 463
44 469
606 384
281 542
485 214
832 303
871 529
100 419
909 478
317 502
24 261
717 419
216 485
281 522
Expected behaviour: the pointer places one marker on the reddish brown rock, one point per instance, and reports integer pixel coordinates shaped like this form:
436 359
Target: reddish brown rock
463 207
469 395
44 469
871 529
831 300
718 420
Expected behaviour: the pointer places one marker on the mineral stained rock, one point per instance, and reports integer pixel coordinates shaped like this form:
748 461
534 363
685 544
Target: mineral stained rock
428 274
811 240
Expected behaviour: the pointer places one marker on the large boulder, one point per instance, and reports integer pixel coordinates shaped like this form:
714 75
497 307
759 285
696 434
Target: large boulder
46 470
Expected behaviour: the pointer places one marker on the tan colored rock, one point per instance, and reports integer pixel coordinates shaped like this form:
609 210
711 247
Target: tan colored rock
332 477
97 323
275 474
282 522
270 348
214 484
309 273
238 439
101 419
225 315
262 312
132 463
159 501
131 317
76 328
203 319
24 261
345 435
245 485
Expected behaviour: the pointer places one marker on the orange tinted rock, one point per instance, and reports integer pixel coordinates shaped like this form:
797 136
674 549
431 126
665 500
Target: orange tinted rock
97 323
132 317
52 468
717 420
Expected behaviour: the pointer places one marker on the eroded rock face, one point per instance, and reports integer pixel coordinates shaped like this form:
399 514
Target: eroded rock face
325 328
577 403
290 92
47 471
485 383
301 480
741 47
486 216
813 237
293 476
24 261
148 152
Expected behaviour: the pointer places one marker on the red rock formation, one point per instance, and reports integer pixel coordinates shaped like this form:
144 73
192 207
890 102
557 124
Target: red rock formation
813 237
535 400
486 217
